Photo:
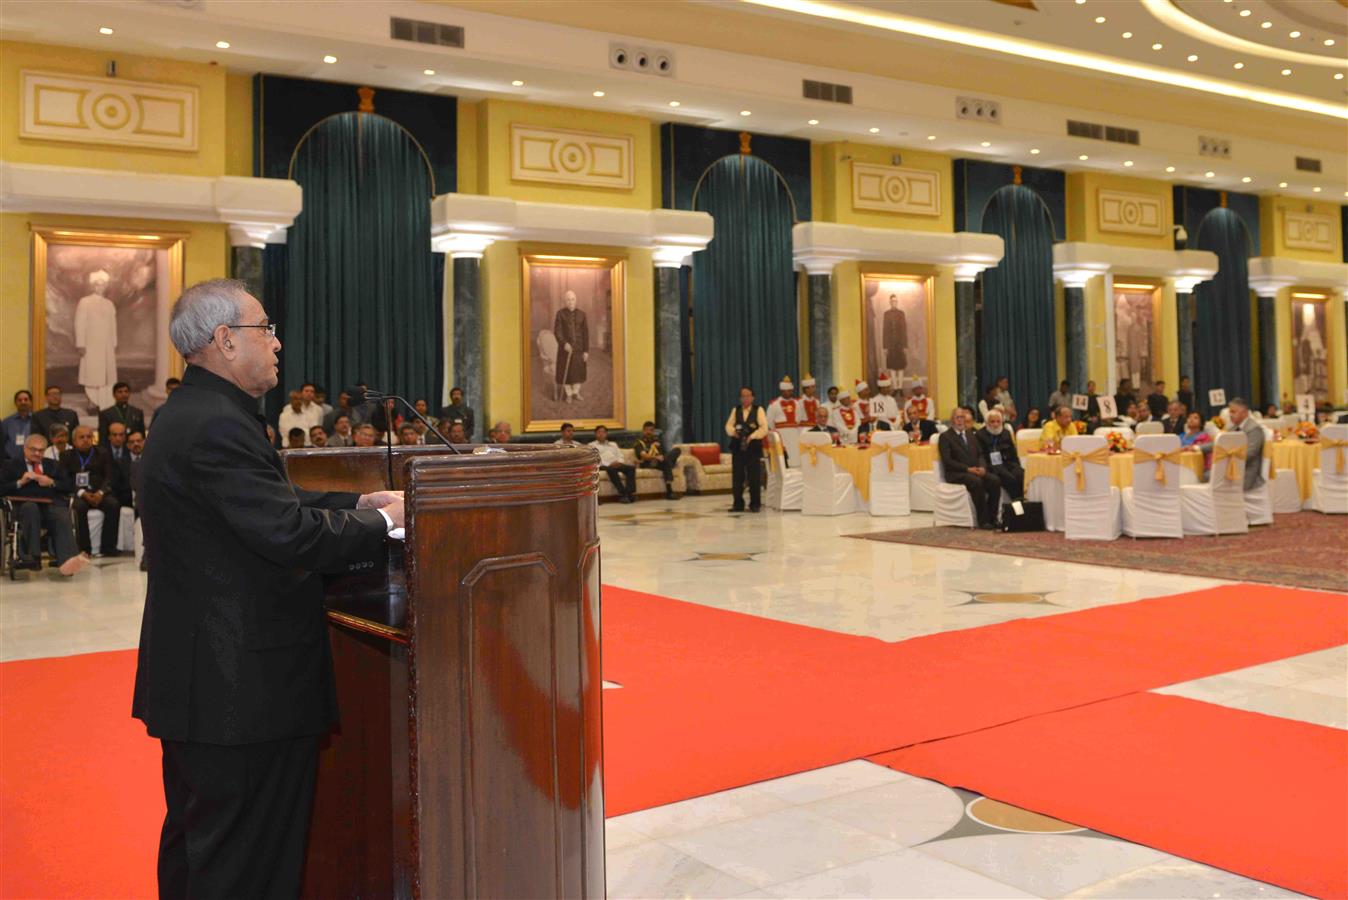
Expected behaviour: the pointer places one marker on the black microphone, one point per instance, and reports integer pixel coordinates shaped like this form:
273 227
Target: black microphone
380 396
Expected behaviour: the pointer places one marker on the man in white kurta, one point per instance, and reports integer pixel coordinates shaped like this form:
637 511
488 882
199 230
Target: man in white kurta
96 340
884 408
785 417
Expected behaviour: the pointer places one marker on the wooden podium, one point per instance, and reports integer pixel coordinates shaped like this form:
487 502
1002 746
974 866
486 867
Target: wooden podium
468 761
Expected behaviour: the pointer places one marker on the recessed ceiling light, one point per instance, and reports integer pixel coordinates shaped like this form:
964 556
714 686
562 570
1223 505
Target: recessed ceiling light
517 83
1193 57
1034 151
812 122
329 59
1265 24
1128 163
1083 157
874 130
1244 12
1157 46
222 45
1294 34
597 93
1170 168
985 144
1238 66
105 30
1209 174
1287 71
1338 76
1081 2
427 71
1316 189
1099 20
1127 35
1246 180
1329 42
674 103
1282 184
931 137
745 112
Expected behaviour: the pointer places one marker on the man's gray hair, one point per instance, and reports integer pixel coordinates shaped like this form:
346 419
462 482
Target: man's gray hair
201 309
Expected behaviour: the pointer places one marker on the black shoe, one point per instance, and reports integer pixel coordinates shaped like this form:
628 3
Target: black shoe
735 509
669 494
753 509
28 563
987 526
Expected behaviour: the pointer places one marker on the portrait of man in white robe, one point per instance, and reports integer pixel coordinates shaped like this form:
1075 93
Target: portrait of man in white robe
96 341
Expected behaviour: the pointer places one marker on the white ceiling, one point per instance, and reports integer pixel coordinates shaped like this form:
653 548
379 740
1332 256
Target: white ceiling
565 66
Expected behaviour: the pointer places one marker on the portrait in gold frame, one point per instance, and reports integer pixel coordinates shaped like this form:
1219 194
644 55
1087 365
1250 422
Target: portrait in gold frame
584 384
916 303
144 276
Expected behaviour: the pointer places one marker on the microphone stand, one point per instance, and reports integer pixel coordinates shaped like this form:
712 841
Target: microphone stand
381 396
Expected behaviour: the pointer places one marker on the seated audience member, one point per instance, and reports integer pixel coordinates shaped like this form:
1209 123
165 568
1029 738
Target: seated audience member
1059 427
343 408
991 400
1127 417
170 385
1033 418
456 433
1272 412
318 437
1185 394
821 423
407 435
1157 401
119 464
35 477
623 475
650 455
1092 407
420 406
458 410
963 463
120 411
846 419
1254 441
320 399
294 415
1196 436
53 414
364 436
997 445
1175 414
1143 409
341 431
499 434
16 428
296 439
1061 397
1125 396
568 438
420 428
1004 400
87 467
918 414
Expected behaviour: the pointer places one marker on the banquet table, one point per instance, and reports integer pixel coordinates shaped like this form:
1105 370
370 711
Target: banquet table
1044 465
1299 456
1026 446
856 461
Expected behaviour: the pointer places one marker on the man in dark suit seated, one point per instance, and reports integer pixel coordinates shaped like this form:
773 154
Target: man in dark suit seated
45 491
821 424
119 464
89 468
120 411
1175 417
962 463
998 446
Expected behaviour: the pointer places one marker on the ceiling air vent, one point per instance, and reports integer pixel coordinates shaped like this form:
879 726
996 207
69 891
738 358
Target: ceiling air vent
1110 133
1306 164
425 32
1085 130
822 90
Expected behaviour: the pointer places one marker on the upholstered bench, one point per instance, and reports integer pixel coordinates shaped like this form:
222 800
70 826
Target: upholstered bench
706 468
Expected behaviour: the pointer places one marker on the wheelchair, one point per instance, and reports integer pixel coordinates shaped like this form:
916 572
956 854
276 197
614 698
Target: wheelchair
9 529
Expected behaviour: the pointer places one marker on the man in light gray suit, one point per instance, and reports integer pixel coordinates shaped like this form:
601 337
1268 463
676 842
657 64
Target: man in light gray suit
1254 435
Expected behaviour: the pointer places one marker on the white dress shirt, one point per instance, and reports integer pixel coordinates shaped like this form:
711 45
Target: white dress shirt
610 454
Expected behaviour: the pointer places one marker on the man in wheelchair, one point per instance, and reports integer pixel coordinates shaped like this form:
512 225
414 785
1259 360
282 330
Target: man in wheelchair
37 495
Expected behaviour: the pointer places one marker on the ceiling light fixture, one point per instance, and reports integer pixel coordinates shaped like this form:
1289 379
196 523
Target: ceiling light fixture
1209 174
1238 66
1244 13
1128 163
1081 2
1170 168
745 112
1127 35
1338 76
1083 157
931 137
427 71
517 83
329 59
986 144
1287 71
870 17
1265 24
105 30
1329 42
1193 57
597 93
1099 20
874 130
1157 46
812 122
1034 151
1294 34
1282 184
674 103
1316 189
222 45
1246 180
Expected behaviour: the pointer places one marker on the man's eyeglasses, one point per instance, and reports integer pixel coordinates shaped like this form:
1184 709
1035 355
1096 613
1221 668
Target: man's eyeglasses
270 329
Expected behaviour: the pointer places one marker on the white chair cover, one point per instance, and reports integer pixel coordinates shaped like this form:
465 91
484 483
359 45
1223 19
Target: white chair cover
1104 430
785 486
1218 507
889 487
1330 488
1029 434
791 441
1091 514
922 491
827 492
1152 508
954 505
1150 428
1048 491
1259 502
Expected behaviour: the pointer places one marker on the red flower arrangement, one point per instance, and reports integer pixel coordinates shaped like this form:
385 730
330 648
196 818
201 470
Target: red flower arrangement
1117 442
1307 432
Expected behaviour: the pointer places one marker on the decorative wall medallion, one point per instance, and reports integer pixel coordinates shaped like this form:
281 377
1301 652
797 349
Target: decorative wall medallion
88 110
1131 213
896 189
1308 231
570 157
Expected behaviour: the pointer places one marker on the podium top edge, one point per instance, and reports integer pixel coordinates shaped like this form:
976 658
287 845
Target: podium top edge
437 454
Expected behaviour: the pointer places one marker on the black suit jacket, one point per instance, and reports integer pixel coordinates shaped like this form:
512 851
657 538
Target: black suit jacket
233 645
45 418
13 470
1004 442
119 475
95 462
132 417
956 458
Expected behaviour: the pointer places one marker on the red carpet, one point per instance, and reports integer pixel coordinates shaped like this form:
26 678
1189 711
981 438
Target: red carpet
710 700
1254 794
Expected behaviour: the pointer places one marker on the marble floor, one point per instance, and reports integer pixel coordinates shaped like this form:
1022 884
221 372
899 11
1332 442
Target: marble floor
850 830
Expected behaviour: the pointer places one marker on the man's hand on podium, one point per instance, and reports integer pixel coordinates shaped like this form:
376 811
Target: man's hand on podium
388 502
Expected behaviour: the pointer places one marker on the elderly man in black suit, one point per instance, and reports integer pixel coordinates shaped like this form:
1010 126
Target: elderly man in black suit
962 462
235 671
997 444
91 470
42 490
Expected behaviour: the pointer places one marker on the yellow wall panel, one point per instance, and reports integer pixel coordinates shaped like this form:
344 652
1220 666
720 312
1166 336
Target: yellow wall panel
832 197
1083 216
1272 232
239 125
467 161
210 81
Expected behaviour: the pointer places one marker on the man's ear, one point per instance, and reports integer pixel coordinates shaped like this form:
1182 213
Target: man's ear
221 338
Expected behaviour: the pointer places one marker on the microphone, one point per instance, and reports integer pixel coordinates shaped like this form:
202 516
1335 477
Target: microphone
380 396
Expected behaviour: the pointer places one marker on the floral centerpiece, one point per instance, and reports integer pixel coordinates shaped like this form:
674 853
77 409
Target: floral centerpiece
1307 432
1117 442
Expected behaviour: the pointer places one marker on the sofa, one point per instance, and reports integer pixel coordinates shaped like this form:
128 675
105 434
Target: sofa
704 477
650 482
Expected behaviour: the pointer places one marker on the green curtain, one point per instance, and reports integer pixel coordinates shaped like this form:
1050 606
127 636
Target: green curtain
1018 335
744 300
361 302
1222 338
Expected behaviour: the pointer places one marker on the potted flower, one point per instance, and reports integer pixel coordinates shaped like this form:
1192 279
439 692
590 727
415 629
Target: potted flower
1308 432
1117 442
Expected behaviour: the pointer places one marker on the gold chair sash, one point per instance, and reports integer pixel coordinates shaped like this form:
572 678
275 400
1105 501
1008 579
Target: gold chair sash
1337 446
1160 459
812 451
1098 456
1220 453
892 450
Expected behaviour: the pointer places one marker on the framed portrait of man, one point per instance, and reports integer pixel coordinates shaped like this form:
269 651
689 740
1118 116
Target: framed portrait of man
1136 339
100 310
896 321
574 362
1310 345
